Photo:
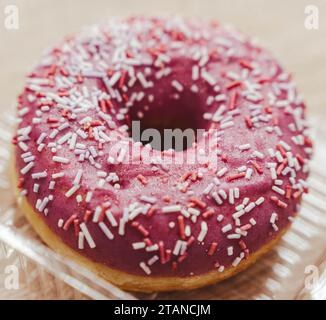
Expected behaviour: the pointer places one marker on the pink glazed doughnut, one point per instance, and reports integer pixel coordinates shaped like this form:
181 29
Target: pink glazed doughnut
142 218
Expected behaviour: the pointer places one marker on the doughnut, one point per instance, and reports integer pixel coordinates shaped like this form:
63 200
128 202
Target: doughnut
146 217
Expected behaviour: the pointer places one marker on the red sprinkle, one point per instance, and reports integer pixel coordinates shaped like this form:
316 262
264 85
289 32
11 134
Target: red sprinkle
257 167
142 179
87 215
212 248
69 222
236 176
278 202
233 84
208 213
162 252
249 123
199 203
233 100
181 223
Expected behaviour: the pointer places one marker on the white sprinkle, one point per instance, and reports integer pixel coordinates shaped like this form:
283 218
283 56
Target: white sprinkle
222 172
39 175
78 176
248 173
220 217
81 133
195 73
238 214
115 78
122 155
207 77
273 218
177 247
185 213
60 159
28 167
252 221
58 175
122 225
220 269
227 228
187 231
41 138
53 133
285 145
208 189
258 154
236 261
72 142
250 206
242 169
152 260
177 85
81 240
146 269
217 198
236 193
97 214
60 223
29 159
23 111
87 235
40 147
64 138
148 199
89 196
111 218
231 196
278 190
245 201
23 146
138 245
92 151
36 187
203 231
217 115
104 136
134 213
244 146
278 156
72 190
225 125
286 170
43 204
168 209
259 201
273 173
271 152
106 230
230 251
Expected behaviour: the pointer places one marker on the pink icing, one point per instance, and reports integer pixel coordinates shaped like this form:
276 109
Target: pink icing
263 111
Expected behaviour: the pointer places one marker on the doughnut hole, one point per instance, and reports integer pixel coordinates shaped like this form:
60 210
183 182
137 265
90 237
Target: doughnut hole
169 123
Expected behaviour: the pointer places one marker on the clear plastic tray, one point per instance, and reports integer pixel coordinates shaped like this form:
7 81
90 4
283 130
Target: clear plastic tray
282 274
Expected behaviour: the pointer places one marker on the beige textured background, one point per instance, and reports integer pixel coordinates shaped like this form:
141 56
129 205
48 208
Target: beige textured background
279 24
